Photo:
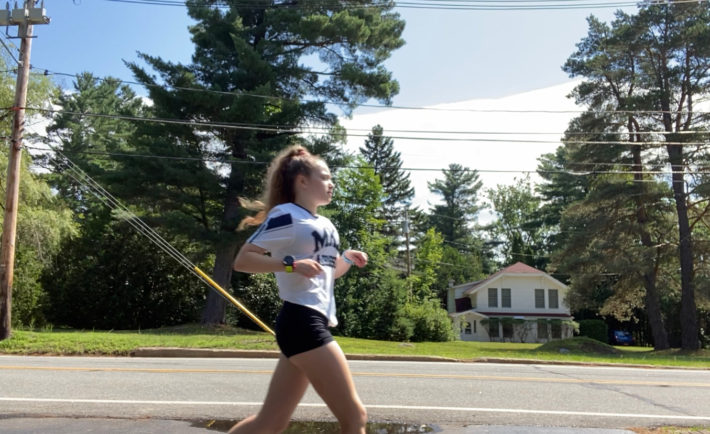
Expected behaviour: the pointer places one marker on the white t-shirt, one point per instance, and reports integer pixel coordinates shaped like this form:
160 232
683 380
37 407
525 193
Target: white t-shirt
290 229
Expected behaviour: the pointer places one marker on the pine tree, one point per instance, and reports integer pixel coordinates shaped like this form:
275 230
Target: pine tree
459 191
252 66
397 190
652 69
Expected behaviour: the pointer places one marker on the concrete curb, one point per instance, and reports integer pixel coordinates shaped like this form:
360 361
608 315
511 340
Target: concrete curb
271 354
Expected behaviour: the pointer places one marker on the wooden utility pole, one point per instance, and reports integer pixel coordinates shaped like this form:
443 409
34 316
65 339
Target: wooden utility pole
23 18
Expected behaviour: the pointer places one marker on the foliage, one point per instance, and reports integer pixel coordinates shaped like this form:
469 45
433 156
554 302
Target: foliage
456 267
427 259
356 197
157 292
266 70
558 190
517 226
643 76
367 298
89 141
119 282
423 321
379 154
43 220
595 329
371 300
602 251
261 296
459 192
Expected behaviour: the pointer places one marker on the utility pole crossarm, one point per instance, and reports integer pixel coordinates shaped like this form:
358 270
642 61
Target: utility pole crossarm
25 15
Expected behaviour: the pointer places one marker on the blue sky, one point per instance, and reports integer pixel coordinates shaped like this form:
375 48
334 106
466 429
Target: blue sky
449 55
472 59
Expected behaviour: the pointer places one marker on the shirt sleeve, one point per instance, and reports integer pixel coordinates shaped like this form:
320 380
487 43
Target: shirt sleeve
275 233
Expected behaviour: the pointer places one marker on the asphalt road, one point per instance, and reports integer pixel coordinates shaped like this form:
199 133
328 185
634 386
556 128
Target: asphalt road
40 390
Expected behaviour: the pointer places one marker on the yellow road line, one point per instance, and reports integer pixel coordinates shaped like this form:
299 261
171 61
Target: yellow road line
365 374
536 379
147 370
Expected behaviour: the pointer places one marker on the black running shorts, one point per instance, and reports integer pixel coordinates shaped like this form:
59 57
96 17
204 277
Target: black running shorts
300 329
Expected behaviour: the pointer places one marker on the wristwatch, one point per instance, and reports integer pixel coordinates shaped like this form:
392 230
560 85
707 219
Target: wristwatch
346 259
288 263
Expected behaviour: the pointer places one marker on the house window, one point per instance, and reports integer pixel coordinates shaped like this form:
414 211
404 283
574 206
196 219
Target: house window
542 329
553 297
539 298
505 297
493 329
463 304
492 297
466 327
474 327
556 327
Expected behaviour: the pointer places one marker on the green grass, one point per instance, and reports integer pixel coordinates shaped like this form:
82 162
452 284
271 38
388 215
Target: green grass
121 343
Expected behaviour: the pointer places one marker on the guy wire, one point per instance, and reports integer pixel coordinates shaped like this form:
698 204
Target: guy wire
83 179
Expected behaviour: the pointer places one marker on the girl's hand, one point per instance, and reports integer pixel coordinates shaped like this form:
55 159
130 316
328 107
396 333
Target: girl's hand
358 257
307 267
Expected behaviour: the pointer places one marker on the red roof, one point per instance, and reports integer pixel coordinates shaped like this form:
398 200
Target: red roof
517 268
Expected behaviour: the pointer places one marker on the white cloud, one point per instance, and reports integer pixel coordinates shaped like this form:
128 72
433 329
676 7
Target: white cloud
488 117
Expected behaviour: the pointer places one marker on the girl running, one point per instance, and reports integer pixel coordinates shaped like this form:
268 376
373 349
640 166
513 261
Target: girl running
305 256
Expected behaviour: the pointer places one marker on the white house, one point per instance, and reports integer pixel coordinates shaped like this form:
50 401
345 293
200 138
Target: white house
517 304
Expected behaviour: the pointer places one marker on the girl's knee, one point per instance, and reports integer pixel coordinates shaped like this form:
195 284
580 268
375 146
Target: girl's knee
356 421
363 415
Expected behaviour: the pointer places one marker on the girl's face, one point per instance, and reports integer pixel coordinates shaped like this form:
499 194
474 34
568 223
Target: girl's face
318 186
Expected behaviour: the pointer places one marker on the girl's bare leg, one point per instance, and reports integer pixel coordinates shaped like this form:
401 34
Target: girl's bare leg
328 371
288 384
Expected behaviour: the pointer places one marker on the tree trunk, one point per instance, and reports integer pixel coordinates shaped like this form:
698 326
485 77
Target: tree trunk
688 311
653 311
653 301
214 312
228 244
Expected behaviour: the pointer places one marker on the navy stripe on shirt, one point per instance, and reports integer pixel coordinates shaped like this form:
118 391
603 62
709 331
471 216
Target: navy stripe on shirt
272 224
279 222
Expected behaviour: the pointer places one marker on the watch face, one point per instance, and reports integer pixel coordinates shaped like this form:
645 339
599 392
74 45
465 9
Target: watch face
288 261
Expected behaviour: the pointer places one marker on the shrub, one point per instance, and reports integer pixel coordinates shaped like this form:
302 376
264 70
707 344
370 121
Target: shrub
431 322
595 329
259 294
119 281
402 329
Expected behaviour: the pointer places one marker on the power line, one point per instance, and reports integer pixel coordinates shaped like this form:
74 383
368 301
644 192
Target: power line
409 169
381 106
9 51
73 171
314 130
85 181
480 5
